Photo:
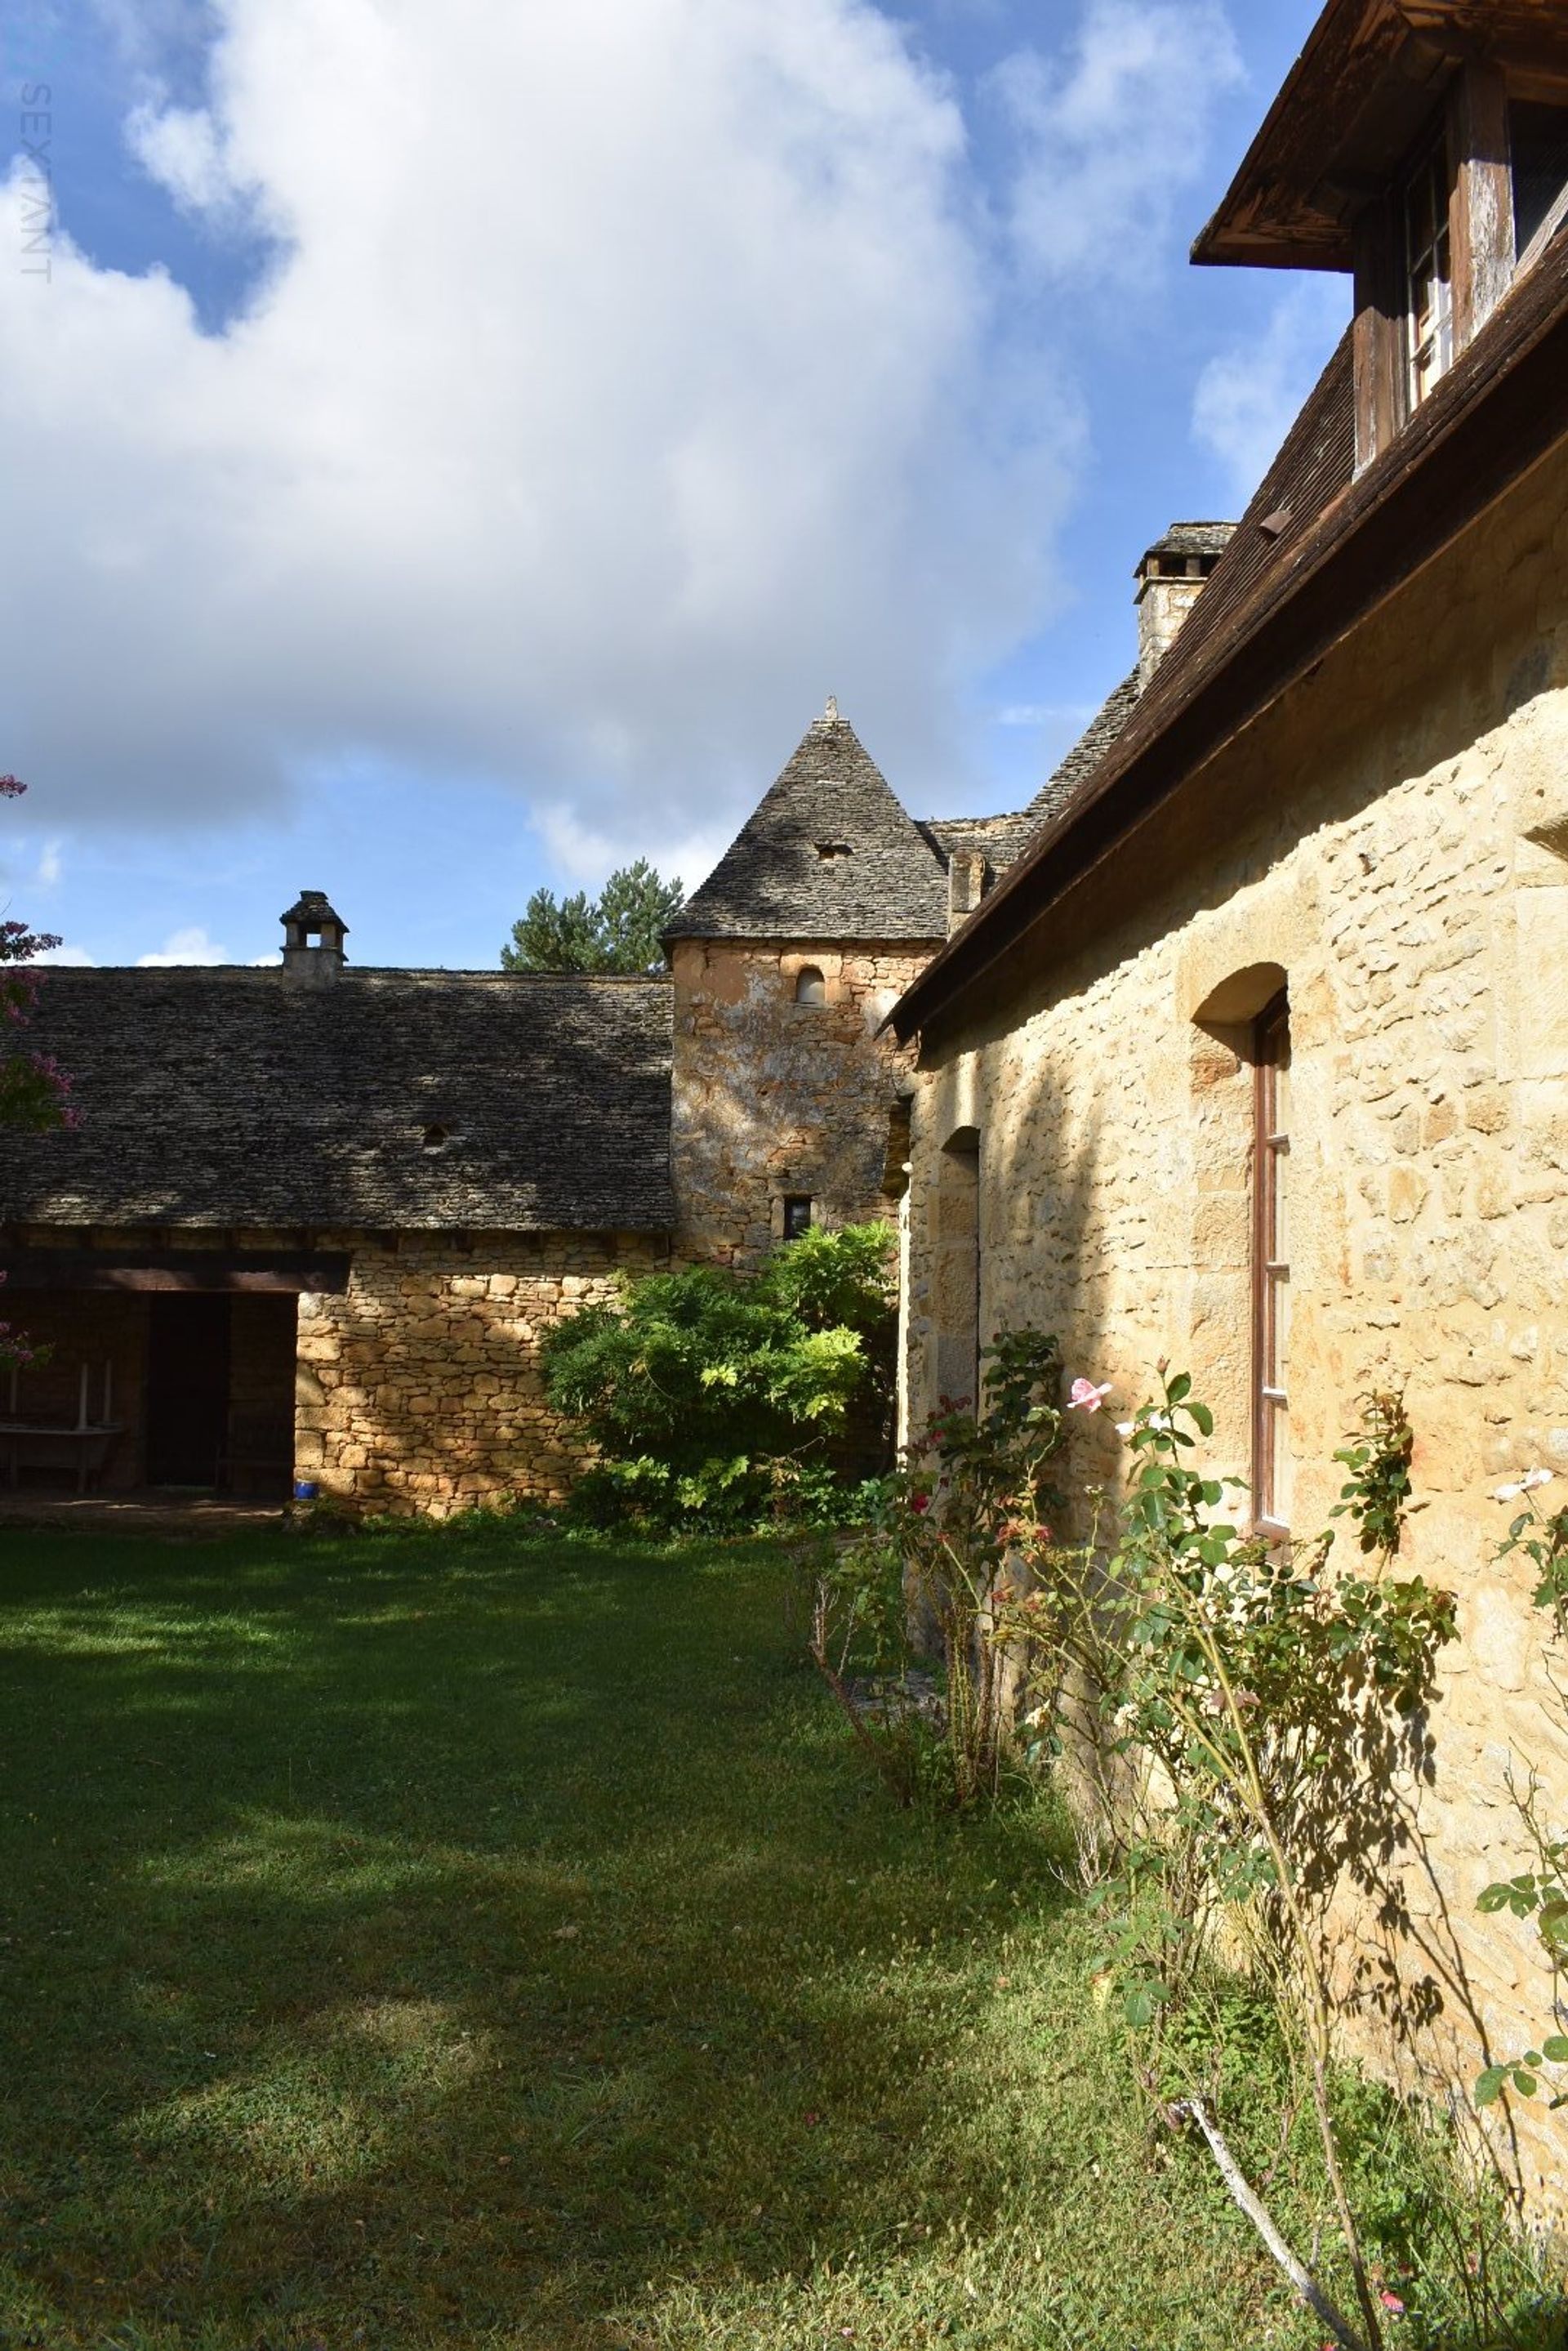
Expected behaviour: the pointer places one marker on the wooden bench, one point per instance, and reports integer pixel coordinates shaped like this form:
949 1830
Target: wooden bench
40 1444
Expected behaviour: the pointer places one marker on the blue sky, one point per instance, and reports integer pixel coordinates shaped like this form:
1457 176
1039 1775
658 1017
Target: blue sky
453 449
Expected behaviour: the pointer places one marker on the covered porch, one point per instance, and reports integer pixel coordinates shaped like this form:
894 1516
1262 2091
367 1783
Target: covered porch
157 1373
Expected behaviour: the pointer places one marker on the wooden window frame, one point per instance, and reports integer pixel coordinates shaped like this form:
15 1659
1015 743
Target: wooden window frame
1419 271
1270 1274
1472 119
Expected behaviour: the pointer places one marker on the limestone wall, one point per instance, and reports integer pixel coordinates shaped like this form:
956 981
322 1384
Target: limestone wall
420 1389
1391 840
774 1098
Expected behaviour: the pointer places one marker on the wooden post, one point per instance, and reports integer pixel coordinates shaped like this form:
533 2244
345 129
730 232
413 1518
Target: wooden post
1482 208
1379 338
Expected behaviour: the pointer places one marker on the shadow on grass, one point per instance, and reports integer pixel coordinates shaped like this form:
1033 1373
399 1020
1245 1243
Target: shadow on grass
437 1941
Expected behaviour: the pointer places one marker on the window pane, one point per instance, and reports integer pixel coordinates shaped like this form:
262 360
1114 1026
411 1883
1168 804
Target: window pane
1429 295
1538 136
1283 1477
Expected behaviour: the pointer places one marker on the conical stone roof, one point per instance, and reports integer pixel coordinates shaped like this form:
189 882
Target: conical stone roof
830 853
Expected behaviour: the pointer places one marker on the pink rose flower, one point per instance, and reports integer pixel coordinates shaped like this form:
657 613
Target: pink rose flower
1087 1398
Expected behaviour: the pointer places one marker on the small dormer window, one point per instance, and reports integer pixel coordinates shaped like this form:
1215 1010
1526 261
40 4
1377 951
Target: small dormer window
1429 269
810 987
829 850
436 1138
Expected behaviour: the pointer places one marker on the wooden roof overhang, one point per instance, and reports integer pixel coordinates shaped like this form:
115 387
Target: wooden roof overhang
263 1271
1352 105
1500 410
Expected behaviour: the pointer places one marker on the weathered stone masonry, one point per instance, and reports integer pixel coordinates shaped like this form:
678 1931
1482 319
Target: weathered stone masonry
1411 886
419 1387
774 1098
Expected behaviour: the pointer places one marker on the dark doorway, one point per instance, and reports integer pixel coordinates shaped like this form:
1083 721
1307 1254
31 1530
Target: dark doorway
187 1386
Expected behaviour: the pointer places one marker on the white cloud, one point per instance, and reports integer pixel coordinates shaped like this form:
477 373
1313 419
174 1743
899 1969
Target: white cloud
190 945
1112 136
78 958
1248 398
1045 714
627 372
51 864
182 148
588 857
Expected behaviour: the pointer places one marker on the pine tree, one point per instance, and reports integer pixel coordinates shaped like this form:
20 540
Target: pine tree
618 931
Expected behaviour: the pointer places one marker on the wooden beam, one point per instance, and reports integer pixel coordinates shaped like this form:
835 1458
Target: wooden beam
277 1272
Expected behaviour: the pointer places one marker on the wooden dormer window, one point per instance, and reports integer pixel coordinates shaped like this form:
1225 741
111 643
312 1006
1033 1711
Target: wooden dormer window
1429 269
1421 145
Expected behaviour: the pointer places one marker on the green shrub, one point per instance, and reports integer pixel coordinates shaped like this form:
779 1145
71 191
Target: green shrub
722 1399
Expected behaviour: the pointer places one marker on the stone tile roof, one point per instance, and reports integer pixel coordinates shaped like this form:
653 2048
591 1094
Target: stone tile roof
1195 539
998 839
830 853
1003 839
1093 742
233 1096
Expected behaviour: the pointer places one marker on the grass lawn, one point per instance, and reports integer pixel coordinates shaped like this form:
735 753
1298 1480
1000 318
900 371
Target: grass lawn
443 1940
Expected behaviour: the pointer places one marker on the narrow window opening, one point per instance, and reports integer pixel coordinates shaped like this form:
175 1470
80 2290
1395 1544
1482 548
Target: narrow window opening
957 1288
828 850
1271 1269
810 987
896 1162
436 1137
1428 271
797 1216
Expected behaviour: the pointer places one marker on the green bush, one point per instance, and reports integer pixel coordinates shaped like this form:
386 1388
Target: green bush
725 1399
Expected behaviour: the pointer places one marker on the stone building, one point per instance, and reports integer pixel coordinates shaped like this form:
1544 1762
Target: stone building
315 1219
1258 1058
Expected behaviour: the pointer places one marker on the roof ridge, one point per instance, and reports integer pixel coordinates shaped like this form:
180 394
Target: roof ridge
351 974
829 851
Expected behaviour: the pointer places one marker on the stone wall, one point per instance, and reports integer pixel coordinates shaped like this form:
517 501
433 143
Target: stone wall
420 1389
1392 841
774 1098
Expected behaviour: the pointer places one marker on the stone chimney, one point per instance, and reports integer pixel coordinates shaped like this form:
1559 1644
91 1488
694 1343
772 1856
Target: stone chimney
966 885
1169 581
313 936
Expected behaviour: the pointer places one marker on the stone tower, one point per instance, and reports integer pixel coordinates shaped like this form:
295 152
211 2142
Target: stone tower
790 1102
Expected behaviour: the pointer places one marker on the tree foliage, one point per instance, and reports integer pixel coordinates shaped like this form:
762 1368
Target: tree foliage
618 931
720 1397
